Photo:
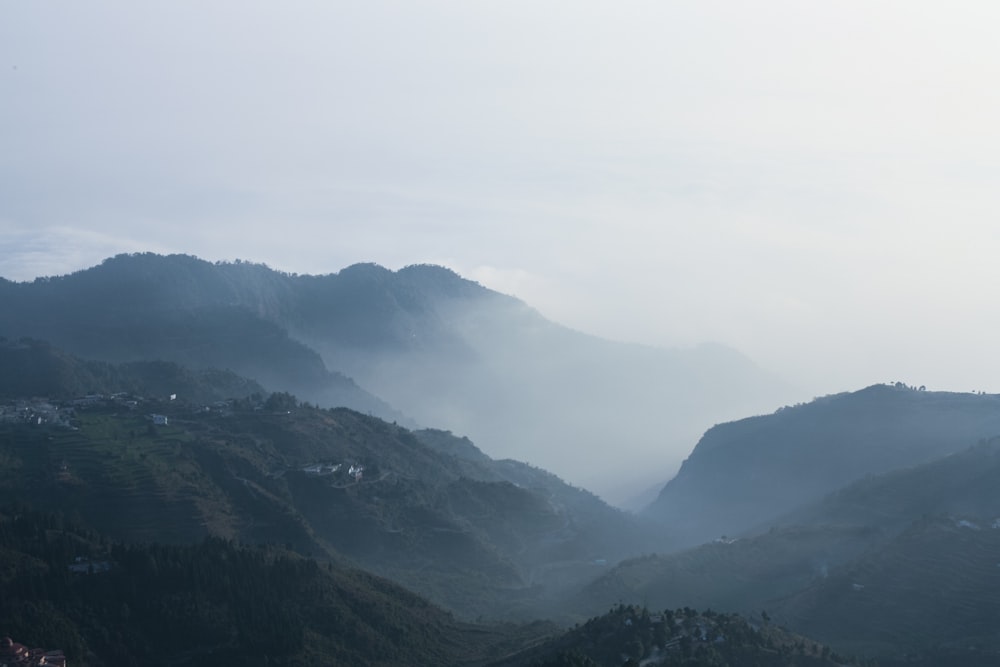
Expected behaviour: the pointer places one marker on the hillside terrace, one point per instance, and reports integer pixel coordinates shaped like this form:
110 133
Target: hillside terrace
39 411
36 411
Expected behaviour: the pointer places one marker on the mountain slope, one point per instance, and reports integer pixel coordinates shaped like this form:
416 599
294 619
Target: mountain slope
216 603
443 350
742 575
901 566
966 483
180 309
465 358
743 474
480 536
36 368
936 585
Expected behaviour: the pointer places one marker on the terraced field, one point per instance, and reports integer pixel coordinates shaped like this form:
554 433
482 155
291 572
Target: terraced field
130 480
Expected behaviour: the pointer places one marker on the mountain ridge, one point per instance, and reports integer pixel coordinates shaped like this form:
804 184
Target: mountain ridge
420 345
743 474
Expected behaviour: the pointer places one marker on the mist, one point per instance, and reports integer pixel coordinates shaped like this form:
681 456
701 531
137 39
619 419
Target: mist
613 418
730 265
783 180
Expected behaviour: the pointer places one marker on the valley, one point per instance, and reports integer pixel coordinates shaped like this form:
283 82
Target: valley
858 528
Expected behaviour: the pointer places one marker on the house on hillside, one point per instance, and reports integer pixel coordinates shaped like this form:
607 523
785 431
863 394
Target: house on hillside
160 420
83 565
318 469
13 654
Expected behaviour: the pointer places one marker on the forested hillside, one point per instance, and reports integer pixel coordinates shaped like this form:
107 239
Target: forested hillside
215 603
482 537
420 344
744 474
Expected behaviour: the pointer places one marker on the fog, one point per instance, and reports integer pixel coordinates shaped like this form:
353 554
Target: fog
812 185
613 418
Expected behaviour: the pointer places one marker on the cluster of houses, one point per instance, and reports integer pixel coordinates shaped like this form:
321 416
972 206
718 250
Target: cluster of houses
356 471
13 654
82 565
965 523
39 411
321 469
35 411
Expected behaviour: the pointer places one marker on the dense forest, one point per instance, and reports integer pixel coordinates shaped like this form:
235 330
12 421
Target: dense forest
212 603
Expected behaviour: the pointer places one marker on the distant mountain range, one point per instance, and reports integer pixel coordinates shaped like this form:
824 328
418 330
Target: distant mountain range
417 346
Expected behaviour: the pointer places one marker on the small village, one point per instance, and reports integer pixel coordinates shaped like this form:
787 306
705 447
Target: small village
13 654
45 411
41 411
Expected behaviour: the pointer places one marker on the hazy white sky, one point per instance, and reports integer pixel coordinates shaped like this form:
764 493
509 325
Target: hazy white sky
813 183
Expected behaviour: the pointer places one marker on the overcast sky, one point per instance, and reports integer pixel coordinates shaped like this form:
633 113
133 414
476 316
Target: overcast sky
813 183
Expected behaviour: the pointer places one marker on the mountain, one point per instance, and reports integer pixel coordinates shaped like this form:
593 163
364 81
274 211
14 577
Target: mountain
183 310
425 508
901 567
744 474
459 356
437 348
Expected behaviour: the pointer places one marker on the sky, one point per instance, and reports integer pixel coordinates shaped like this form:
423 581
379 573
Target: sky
812 183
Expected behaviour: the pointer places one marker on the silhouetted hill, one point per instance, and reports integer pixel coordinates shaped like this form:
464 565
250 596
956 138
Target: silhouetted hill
443 350
743 474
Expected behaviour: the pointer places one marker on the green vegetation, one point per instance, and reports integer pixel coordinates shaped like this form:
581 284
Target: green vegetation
214 603
738 575
429 346
745 474
933 586
174 470
630 635
482 538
